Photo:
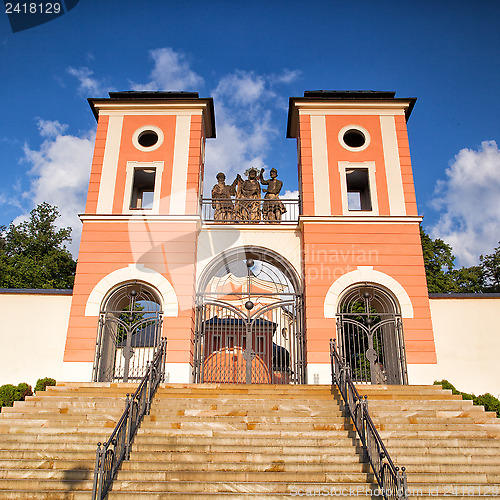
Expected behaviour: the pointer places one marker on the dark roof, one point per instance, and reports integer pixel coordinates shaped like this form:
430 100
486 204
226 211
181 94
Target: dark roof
36 291
156 95
464 295
153 94
348 95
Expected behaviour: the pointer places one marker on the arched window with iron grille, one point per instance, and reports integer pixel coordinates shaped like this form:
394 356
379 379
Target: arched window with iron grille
370 335
130 323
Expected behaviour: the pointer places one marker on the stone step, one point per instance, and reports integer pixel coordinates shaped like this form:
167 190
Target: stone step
357 491
336 440
280 465
43 485
44 464
45 427
202 432
344 446
43 454
155 478
159 420
327 404
396 442
353 464
331 440
433 434
445 415
274 475
415 458
59 446
427 424
258 456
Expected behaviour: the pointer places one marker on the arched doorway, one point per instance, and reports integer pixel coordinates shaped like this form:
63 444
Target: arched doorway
249 320
370 335
129 333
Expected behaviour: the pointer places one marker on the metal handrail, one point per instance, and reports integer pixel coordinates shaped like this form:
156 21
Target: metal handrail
111 454
391 479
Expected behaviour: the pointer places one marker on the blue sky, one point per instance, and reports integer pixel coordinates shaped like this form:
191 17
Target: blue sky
252 56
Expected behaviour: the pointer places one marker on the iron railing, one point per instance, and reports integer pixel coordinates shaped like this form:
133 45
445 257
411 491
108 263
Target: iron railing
391 479
250 211
116 449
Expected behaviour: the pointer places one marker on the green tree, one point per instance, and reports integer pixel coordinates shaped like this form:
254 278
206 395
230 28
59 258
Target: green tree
438 262
490 265
33 254
468 279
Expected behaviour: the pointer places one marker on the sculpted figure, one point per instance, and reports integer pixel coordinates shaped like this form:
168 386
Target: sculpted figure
273 207
221 199
246 209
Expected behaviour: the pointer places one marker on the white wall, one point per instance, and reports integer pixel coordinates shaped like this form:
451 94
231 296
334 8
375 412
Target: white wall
467 336
32 335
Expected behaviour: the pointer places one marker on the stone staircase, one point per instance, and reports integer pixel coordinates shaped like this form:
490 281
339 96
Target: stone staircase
449 447
48 442
230 441
238 441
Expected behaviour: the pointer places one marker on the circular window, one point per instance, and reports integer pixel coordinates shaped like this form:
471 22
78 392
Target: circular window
147 138
354 138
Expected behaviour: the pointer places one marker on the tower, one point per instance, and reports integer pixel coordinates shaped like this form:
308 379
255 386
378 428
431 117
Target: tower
136 265
248 288
363 268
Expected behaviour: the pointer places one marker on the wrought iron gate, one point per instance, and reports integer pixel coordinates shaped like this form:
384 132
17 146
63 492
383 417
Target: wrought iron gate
129 334
370 335
249 328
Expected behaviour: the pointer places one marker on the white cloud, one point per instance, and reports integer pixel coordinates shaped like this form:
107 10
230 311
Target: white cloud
171 72
290 195
88 84
244 105
469 198
242 88
287 76
49 128
246 127
60 173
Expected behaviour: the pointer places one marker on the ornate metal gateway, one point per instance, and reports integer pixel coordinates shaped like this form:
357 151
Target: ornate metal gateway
370 336
249 321
129 334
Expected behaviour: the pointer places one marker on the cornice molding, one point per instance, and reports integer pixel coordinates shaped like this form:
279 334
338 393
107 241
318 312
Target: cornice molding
150 218
364 219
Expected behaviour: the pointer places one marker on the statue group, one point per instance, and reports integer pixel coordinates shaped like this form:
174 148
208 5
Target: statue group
247 206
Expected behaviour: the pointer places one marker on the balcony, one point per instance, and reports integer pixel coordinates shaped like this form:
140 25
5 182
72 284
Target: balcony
250 211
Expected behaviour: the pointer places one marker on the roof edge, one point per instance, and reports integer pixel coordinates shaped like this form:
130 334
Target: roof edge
150 97
362 96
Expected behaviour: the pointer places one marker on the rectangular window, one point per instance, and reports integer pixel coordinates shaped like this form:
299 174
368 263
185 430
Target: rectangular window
143 188
358 190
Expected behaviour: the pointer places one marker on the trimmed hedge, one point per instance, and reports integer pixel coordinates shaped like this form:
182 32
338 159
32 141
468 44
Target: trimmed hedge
42 383
490 403
10 393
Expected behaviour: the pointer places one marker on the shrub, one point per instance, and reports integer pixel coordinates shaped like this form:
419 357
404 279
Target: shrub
7 395
10 393
490 403
42 383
